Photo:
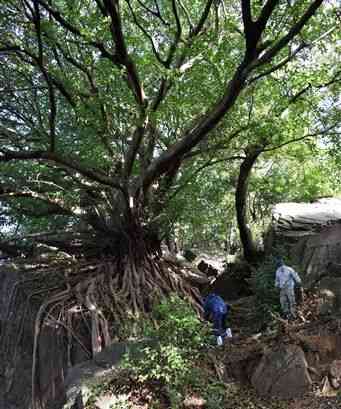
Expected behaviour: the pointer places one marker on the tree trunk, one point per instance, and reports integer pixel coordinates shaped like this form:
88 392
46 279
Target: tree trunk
248 244
109 292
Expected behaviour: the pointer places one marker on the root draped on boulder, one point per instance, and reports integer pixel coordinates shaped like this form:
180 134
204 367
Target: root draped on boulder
105 292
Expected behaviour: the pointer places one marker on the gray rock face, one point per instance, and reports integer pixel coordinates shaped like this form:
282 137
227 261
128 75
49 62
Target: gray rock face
330 290
81 378
300 219
335 373
15 369
282 373
312 233
16 345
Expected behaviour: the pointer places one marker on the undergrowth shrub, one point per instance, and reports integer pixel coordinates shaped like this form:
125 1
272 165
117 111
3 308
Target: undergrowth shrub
263 283
179 336
266 294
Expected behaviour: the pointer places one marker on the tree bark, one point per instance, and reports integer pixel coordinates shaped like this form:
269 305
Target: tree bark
248 244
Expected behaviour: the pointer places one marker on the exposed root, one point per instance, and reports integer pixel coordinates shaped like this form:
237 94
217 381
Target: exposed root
106 292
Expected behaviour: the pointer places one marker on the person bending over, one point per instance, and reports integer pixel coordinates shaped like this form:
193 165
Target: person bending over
216 310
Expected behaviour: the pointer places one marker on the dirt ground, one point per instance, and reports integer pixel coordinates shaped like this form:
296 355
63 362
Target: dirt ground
244 346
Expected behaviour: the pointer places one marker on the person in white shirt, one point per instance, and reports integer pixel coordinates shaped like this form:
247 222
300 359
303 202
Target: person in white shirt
286 279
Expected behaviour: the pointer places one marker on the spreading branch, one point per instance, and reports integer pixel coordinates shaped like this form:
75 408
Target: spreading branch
292 33
207 122
71 163
75 30
112 7
55 206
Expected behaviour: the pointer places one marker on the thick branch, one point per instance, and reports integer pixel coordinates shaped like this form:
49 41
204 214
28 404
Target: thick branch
246 15
112 7
8 155
266 13
254 30
177 37
249 247
133 149
202 19
54 206
272 52
74 30
204 125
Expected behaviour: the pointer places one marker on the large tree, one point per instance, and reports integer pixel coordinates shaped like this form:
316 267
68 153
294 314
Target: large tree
288 116
105 102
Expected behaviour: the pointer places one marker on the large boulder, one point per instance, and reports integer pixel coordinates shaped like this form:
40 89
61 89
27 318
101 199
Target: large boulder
82 378
207 269
330 291
321 349
311 233
17 322
15 353
233 283
282 373
335 373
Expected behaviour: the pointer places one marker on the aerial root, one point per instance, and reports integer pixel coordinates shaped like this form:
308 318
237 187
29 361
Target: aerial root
104 291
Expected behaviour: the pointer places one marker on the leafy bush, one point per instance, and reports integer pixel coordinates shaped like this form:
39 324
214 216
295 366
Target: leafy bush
266 294
179 336
263 283
177 325
121 403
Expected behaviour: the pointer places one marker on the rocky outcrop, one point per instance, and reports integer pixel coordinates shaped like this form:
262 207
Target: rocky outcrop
302 219
16 362
335 374
311 234
207 269
17 313
82 378
282 373
233 283
330 291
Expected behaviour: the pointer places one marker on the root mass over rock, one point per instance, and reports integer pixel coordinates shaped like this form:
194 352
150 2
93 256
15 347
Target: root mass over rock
103 294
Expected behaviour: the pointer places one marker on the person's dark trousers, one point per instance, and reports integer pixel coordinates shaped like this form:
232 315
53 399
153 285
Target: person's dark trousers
219 324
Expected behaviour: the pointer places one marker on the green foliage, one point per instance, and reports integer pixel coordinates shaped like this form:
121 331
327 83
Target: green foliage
94 113
266 295
178 325
215 395
213 391
121 403
180 336
96 390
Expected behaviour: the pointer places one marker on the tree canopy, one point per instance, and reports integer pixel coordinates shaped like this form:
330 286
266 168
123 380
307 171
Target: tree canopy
109 107
121 118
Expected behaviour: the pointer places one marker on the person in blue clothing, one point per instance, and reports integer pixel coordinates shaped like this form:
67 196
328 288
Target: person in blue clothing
216 310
